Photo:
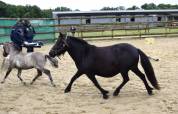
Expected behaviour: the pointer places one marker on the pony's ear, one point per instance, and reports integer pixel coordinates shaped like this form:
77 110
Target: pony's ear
65 42
1 45
61 35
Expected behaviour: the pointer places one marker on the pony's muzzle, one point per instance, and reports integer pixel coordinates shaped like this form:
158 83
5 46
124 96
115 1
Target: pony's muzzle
52 53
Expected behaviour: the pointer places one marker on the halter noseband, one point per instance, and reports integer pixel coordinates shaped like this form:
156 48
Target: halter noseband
65 41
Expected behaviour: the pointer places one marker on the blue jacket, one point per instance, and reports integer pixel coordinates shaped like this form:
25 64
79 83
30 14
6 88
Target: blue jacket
29 34
21 33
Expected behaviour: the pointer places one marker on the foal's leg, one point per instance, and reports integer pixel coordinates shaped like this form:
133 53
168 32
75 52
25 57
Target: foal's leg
7 73
125 80
39 73
19 76
47 72
95 82
142 77
77 75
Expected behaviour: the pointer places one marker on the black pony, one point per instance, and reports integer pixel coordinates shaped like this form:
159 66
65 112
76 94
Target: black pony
105 61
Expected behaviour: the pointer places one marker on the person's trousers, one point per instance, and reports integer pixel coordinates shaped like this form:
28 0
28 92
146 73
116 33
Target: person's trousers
30 49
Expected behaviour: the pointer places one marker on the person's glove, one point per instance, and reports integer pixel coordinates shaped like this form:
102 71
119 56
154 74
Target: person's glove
26 43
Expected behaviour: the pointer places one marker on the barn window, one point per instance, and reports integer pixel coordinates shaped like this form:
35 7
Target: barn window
59 22
159 19
118 19
176 18
88 21
132 19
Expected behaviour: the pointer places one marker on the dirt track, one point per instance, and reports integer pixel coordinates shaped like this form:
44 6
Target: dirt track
42 98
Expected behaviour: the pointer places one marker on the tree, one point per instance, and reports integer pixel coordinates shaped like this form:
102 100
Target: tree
47 13
164 6
149 6
121 8
3 8
11 11
62 9
76 10
167 6
160 6
20 11
174 7
113 8
32 11
133 8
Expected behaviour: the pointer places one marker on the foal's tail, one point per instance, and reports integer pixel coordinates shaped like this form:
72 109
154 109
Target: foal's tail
53 61
148 69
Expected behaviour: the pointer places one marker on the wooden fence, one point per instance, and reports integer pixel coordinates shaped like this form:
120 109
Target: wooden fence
102 30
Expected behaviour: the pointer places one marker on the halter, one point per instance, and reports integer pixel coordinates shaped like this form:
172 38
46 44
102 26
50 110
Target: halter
66 40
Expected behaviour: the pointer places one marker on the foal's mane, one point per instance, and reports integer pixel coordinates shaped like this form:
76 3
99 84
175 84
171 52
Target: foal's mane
11 45
78 40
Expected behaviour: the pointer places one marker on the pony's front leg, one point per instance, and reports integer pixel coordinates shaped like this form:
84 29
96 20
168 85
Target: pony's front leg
47 72
19 76
77 75
7 73
95 82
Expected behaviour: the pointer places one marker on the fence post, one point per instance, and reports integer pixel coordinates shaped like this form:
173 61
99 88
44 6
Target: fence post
112 33
140 33
54 29
81 34
165 25
81 27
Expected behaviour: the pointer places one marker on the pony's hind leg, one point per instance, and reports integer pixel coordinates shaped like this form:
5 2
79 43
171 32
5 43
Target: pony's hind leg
125 80
47 72
7 73
39 73
95 82
142 77
19 76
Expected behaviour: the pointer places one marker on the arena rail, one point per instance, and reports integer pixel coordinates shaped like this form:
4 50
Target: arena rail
48 28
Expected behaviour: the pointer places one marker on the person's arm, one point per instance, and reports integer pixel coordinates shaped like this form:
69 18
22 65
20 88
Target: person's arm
34 32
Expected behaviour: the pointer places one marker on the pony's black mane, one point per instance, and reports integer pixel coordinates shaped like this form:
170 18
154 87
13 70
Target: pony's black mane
77 40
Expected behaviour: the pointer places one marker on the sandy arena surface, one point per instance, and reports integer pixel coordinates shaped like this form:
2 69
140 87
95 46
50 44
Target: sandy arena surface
42 98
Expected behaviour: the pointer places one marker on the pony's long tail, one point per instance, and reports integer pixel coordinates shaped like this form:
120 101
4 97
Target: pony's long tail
53 61
151 58
148 69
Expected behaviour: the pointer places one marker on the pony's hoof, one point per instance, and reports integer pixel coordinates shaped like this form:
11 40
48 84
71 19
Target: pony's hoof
151 88
105 96
67 90
24 83
53 85
2 82
106 92
115 93
150 93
